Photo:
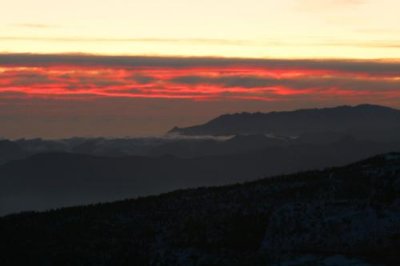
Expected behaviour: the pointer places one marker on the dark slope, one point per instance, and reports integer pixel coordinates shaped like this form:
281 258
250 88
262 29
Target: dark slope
61 179
348 215
363 121
9 150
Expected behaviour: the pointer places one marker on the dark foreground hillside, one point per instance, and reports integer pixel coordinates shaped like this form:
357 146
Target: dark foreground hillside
339 216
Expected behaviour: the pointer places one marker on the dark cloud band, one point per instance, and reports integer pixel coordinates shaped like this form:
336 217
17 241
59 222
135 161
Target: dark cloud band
371 67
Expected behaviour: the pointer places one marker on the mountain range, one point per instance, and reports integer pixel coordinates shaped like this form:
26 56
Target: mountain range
41 174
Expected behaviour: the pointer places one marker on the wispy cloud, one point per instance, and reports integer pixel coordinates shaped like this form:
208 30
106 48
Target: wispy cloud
395 44
392 44
200 41
33 25
374 31
326 5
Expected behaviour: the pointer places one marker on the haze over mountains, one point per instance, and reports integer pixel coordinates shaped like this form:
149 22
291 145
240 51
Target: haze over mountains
41 174
240 132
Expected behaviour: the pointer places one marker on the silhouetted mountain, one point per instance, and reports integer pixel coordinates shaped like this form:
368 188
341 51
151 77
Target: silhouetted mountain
338 216
367 122
54 180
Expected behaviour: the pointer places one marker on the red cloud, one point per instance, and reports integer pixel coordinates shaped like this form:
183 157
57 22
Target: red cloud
197 82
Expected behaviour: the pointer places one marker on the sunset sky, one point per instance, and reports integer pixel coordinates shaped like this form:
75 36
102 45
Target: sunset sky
130 68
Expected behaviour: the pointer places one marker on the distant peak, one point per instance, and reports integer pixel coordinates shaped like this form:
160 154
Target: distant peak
372 106
175 129
365 106
294 122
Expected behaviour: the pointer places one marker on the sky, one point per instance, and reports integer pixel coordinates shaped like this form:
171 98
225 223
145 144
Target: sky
135 68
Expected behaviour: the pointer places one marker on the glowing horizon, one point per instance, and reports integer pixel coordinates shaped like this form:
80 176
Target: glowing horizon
363 29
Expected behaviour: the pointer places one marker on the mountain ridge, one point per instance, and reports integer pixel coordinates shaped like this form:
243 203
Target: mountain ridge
293 123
